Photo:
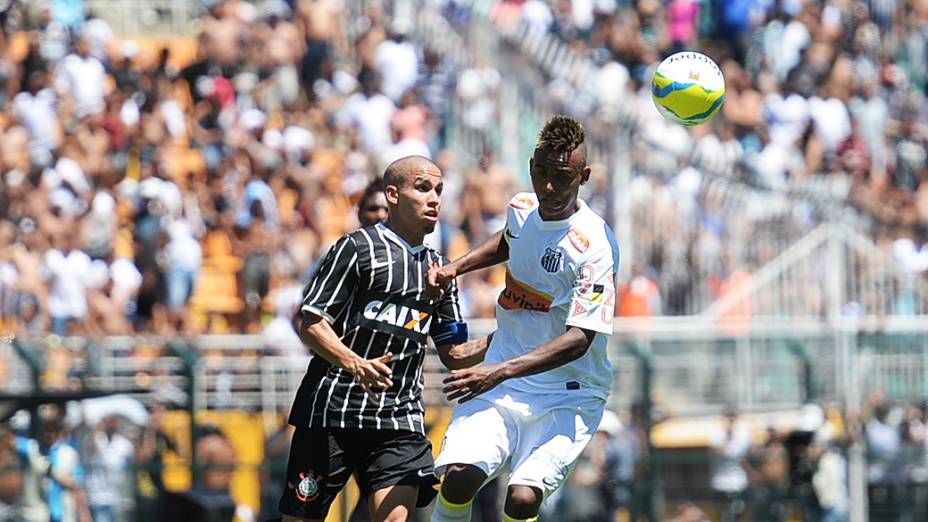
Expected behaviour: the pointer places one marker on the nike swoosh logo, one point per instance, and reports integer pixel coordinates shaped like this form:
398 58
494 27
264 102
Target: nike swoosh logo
510 236
425 473
378 264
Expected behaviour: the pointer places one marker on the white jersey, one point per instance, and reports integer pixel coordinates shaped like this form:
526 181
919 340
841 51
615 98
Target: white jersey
560 274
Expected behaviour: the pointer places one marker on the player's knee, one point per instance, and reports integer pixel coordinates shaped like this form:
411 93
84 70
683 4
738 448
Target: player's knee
461 483
523 501
397 514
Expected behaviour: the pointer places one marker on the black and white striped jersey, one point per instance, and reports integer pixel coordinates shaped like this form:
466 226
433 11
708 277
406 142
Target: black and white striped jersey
371 287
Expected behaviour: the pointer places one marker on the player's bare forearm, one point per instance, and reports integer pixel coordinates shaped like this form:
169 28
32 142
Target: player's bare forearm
464 385
371 374
322 339
464 355
493 251
567 347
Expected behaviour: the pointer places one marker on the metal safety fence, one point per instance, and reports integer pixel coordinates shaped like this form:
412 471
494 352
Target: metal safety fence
676 377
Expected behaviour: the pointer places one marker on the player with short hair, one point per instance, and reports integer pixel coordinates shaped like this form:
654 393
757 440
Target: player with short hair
367 316
538 399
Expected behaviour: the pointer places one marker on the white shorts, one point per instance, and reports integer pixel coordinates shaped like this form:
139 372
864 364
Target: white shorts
537 436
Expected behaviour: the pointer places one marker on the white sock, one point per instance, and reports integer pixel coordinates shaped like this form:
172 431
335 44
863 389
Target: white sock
449 512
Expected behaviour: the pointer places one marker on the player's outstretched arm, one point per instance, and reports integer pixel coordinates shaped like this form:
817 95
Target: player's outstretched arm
370 373
493 251
464 355
464 385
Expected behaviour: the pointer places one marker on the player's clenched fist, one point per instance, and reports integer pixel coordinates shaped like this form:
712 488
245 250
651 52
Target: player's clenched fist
469 383
372 374
439 279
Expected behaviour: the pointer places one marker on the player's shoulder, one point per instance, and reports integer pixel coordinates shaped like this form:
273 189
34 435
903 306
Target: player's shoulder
361 236
524 202
590 235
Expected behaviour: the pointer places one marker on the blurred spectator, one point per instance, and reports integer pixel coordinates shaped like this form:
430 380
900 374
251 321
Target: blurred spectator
620 465
149 457
729 480
111 455
81 80
831 483
768 468
11 476
395 60
65 268
209 499
31 505
804 450
65 495
639 296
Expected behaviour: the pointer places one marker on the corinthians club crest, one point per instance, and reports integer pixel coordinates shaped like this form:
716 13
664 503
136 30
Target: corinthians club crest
308 488
551 261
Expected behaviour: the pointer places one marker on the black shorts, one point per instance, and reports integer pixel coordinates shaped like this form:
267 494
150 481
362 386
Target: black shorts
322 460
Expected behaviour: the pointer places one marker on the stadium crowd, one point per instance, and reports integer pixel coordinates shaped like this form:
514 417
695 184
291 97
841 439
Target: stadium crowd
825 101
139 195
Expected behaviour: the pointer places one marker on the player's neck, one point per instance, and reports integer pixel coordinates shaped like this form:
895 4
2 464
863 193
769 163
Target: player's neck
411 237
562 216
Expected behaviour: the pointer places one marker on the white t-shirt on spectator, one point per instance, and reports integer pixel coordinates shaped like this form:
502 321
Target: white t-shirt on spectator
66 274
610 84
728 475
398 66
537 15
871 116
38 115
786 118
832 121
126 279
910 257
174 118
98 275
129 113
100 34
477 87
582 14
109 470
70 172
82 79
371 117
183 250
69 205
407 147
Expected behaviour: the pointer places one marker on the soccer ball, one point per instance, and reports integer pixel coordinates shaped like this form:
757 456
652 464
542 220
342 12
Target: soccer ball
688 88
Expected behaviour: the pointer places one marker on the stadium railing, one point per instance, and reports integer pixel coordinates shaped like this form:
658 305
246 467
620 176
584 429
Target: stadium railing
147 17
683 373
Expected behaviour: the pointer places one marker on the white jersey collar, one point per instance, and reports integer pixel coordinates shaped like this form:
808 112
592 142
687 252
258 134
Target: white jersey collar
397 239
563 223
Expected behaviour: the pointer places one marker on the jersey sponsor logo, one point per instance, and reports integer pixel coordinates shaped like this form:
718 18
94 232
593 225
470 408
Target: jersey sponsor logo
522 203
519 296
578 309
578 240
400 316
551 260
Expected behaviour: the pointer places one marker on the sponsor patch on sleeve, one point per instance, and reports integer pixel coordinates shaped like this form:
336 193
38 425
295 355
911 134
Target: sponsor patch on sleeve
522 202
578 240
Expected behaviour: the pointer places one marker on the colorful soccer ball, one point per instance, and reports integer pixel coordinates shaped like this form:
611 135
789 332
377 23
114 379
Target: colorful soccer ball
688 88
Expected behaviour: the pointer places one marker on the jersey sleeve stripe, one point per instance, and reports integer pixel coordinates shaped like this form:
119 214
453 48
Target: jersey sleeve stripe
313 310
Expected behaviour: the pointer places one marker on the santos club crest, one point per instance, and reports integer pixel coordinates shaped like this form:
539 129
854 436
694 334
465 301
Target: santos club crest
551 261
